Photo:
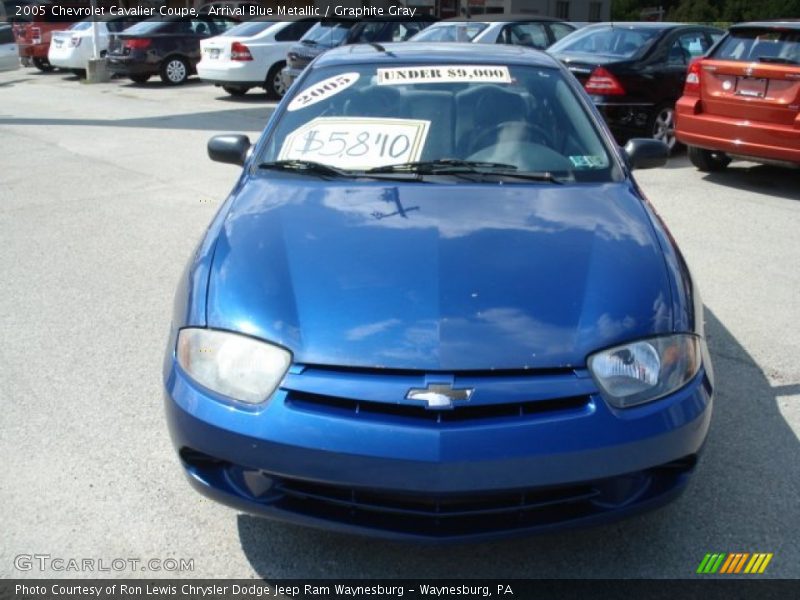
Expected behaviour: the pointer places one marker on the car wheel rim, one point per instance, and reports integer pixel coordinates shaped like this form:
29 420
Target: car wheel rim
664 127
277 85
176 71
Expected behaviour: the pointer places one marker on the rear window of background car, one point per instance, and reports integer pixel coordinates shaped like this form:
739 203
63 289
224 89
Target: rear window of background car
760 44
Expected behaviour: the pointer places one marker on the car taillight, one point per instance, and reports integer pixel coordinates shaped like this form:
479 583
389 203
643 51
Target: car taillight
138 44
603 83
692 85
240 52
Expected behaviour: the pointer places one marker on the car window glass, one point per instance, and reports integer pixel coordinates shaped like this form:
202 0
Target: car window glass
694 44
532 35
250 28
293 31
6 35
764 45
608 41
560 30
527 116
328 34
369 32
451 32
402 31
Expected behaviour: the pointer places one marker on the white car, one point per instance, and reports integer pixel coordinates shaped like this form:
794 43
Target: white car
72 48
522 30
9 54
250 55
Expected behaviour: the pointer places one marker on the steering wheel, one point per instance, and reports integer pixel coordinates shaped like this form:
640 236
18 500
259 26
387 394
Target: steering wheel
525 131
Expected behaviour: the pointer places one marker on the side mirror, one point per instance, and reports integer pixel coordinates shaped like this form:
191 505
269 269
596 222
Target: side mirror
229 148
645 153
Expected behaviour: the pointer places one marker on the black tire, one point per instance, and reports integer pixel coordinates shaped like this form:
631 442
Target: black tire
662 125
235 91
174 70
708 160
43 65
274 83
79 73
139 78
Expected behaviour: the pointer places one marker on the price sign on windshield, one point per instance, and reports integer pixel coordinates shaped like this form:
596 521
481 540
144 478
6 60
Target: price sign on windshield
356 142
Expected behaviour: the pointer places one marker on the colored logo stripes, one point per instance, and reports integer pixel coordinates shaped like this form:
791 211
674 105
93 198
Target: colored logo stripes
737 562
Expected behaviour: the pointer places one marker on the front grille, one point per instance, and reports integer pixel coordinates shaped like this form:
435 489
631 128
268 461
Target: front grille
382 394
378 410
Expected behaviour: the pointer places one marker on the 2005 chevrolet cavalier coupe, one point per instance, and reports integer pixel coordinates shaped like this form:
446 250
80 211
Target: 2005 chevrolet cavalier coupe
437 306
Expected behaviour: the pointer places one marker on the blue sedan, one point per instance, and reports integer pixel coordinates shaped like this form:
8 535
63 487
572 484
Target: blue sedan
437 306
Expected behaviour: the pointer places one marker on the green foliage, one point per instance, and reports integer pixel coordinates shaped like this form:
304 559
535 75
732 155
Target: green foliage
706 11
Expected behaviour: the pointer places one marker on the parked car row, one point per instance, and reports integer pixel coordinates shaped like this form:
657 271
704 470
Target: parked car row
635 73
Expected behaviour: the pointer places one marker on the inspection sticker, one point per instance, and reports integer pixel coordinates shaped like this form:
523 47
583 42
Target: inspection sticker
588 162
322 90
444 74
356 142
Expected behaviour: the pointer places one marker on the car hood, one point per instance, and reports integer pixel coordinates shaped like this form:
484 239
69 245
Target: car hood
438 277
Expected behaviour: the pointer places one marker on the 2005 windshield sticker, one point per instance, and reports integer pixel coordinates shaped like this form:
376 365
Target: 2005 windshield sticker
322 90
444 74
356 142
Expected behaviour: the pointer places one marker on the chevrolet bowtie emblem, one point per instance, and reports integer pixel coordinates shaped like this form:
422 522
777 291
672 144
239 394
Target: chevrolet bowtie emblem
439 395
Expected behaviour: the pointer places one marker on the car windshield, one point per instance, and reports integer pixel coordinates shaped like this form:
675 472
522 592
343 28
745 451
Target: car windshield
450 32
328 34
620 42
81 26
519 118
249 28
761 45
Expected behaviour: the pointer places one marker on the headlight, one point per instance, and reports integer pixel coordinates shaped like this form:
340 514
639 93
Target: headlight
233 365
646 370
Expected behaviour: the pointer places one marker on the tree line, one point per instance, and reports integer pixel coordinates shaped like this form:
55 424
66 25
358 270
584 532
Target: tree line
708 11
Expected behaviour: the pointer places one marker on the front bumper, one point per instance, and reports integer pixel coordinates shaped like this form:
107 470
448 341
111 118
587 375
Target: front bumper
386 469
739 137
289 75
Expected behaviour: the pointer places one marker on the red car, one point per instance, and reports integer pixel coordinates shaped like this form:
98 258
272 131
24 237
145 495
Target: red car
743 99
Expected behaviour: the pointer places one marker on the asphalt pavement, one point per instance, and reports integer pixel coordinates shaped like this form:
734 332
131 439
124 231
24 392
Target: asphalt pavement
104 191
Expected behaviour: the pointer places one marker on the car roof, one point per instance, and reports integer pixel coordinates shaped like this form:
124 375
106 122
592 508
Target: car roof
661 25
502 18
793 24
435 53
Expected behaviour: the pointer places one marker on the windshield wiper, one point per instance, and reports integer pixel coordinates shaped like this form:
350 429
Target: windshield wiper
447 166
442 165
778 60
305 165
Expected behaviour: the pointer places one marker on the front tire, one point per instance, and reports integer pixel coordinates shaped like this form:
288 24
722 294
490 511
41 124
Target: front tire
174 70
274 82
139 78
79 73
235 91
708 161
43 65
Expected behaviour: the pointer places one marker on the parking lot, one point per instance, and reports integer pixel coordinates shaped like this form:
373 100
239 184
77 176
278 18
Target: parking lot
104 191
